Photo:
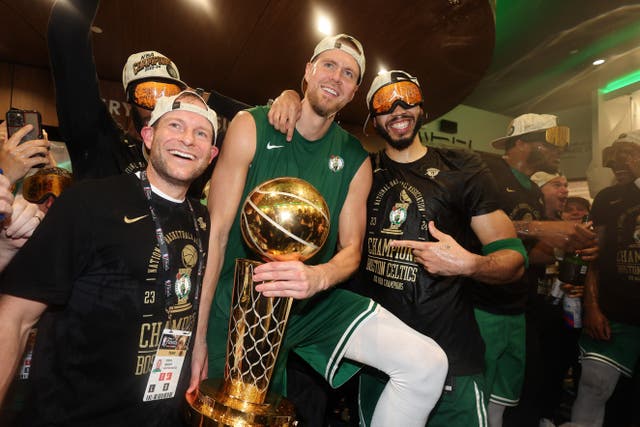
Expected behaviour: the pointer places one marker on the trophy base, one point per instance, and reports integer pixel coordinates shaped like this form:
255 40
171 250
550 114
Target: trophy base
211 408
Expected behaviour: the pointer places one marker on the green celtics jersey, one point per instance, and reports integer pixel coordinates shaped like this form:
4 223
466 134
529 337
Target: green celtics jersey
329 164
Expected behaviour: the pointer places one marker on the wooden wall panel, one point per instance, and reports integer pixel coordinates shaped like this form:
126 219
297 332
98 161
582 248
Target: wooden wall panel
32 88
5 87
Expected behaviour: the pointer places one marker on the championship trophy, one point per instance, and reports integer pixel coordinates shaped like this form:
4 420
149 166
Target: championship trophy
282 219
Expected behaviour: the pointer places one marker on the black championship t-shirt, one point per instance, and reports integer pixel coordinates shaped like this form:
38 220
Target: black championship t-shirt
617 210
95 261
448 187
520 204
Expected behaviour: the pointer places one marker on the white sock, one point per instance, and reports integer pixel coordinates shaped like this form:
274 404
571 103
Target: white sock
496 412
597 382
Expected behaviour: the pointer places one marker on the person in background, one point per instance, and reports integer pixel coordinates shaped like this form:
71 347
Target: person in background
575 209
610 343
552 342
533 143
555 190
7 248
424 206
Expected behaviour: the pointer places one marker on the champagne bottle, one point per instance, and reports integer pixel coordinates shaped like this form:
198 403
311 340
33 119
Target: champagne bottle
573 269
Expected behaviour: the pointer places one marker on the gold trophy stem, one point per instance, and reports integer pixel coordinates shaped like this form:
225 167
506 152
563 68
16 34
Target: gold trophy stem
256 328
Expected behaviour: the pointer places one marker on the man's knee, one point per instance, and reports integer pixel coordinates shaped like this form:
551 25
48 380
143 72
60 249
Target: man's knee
598 380
430 360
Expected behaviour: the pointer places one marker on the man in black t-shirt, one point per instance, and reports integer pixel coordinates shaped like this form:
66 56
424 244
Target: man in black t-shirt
610 343
424 207
114 273
533 143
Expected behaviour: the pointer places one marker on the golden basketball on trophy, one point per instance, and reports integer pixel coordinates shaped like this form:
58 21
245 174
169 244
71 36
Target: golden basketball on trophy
282 219
285 219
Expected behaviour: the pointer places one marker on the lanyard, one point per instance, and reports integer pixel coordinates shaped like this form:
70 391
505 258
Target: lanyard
164 251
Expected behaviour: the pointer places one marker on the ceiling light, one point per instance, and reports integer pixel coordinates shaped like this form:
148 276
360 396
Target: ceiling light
324 25
623 81
598 62
382 70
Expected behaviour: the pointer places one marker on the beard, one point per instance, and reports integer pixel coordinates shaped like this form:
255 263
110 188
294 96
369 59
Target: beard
540 162
321 108
170 174
405 142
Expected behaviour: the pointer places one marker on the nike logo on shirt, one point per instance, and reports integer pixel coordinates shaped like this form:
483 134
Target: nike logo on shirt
128 220
271 146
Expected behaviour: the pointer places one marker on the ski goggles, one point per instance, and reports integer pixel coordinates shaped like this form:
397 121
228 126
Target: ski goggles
557 136
387 98
144 94
46 182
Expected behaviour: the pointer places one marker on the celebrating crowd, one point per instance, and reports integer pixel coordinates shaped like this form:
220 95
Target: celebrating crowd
440 286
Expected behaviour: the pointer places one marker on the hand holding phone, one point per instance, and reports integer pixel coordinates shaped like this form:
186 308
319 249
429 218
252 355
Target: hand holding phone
26 147
17 119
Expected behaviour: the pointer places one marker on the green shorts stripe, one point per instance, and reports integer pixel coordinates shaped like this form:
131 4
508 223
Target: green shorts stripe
481 408
339 350
464 406
504 337
621 351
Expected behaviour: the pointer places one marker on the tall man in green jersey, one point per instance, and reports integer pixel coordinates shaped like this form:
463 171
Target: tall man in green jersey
329 328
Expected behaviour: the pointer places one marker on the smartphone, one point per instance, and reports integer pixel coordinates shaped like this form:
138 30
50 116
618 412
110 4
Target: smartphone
17 119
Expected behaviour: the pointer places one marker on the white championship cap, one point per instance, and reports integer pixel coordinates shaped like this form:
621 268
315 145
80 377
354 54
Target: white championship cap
337 42
150 65
526 123
166 104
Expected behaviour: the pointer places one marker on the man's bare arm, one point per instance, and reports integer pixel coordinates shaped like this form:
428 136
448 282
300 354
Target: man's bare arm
568 236
17 317
503 266
595 322
446 257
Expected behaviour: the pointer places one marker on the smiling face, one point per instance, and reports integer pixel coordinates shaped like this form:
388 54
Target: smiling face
400 126
181 148
575 210
555 195
622 163
332 81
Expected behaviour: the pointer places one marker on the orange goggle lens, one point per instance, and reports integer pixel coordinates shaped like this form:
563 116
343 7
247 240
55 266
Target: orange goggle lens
387 97
558 136
145 94
44 183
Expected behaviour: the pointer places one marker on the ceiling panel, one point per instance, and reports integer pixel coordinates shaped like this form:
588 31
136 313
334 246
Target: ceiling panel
252 49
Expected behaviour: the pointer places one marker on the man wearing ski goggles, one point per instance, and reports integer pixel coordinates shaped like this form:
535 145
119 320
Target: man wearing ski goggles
435 204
